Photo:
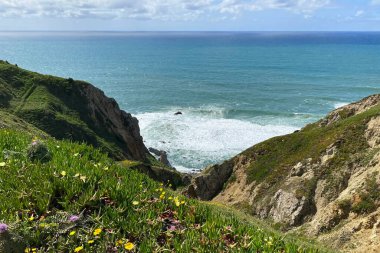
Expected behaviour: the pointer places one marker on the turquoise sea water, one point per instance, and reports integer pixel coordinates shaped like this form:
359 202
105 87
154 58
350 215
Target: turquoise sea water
234 89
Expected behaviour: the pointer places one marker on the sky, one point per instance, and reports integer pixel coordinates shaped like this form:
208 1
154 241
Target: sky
190 15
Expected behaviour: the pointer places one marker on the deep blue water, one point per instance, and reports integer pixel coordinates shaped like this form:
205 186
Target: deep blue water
235 89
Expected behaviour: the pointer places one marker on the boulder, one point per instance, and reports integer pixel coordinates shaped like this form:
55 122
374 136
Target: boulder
287 208
210 181
162 156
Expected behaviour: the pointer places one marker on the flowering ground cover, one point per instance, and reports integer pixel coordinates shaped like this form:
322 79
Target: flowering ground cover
76 199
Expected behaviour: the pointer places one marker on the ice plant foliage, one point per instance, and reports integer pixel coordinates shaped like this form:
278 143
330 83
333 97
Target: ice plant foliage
113 209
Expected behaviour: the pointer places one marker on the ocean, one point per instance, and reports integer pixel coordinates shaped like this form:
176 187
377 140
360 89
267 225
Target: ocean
234 89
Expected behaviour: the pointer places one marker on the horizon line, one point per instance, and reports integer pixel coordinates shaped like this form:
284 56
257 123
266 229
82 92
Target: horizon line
189 31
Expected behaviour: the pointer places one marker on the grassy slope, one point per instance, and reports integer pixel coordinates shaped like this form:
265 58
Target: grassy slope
53 104
37 199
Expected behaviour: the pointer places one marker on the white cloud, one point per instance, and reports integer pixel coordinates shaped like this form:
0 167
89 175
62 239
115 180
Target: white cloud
148 9
359 13
299 6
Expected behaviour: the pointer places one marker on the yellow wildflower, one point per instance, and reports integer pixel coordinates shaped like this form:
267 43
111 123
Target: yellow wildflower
129 246
31 218
2 164
97 231
30 250
63 173
182 202
83 178
119 242
90 241
135 203
170 198
78 249
72 233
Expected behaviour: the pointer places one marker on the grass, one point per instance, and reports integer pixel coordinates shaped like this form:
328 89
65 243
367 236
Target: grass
118 209
274 158
61 108
58 106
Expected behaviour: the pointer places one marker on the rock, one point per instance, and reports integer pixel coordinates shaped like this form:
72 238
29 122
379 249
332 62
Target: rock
162 156
104 115
286 208
329 153
373 132
210 182
297 170
178 113
186 178
350 110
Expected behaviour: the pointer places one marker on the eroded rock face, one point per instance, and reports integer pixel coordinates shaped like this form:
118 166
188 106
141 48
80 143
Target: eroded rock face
287 208
351 109
105 114
317 196
373 132
162 156
210 182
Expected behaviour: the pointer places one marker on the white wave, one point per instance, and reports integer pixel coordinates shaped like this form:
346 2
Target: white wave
339 104
194 140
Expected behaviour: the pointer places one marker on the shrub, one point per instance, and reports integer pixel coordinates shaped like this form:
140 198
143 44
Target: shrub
369 196
37 151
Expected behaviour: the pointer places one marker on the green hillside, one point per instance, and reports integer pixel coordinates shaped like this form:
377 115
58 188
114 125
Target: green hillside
69 109
117 209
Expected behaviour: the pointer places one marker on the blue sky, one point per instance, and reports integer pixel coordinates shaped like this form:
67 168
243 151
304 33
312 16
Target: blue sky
190 15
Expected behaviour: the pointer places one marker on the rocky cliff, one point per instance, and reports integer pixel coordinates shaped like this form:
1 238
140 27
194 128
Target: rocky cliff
68 109
321 181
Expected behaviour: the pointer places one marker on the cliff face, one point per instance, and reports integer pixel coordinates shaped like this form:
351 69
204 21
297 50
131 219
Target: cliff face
68 109
323 181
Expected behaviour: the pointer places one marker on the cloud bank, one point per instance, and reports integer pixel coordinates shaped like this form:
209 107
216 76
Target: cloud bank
149 9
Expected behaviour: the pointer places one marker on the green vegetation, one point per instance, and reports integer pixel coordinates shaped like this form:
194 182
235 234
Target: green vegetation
48 105
369 197
275 157
58 106
81 201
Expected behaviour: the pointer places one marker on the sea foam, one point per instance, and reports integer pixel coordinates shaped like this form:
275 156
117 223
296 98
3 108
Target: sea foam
339 104
202 136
